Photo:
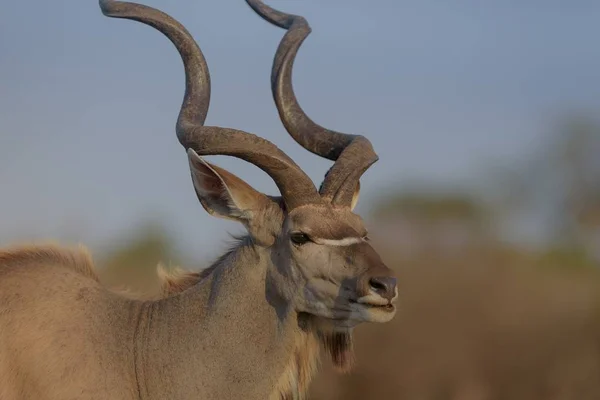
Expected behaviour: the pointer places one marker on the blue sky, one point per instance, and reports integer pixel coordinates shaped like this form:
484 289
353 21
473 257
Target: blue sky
88 104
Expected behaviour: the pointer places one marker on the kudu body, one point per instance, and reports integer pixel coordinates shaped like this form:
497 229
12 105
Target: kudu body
248 327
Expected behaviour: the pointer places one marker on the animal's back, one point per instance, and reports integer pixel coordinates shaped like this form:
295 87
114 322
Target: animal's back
62 335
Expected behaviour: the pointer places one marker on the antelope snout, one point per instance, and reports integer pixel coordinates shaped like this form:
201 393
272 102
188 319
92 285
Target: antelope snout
378 286
384 286
377 292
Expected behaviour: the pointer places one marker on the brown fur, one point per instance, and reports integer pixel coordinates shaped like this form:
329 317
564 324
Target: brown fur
339 346
177 280
77 259
305 359
300 370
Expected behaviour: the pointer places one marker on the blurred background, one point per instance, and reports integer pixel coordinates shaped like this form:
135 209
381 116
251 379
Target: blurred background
486 198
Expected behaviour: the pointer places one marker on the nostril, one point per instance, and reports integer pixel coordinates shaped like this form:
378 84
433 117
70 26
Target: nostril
384 286
377 284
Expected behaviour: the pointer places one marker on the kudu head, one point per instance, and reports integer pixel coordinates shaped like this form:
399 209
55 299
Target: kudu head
324 263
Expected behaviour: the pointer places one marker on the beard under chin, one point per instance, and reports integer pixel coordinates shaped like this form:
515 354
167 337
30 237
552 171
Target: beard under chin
339 346
336 341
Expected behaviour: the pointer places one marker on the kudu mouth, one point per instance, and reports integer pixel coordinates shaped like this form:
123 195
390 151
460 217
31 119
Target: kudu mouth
375 303
378 293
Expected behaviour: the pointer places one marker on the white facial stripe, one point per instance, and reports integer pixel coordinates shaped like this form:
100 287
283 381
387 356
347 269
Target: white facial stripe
340 242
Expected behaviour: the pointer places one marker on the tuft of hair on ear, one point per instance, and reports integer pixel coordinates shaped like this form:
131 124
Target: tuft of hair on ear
340 347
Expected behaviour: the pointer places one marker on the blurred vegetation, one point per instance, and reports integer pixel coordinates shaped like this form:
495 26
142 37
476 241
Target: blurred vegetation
429 206
561 182
132 264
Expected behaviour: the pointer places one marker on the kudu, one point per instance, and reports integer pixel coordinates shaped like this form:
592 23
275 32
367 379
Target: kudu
248 327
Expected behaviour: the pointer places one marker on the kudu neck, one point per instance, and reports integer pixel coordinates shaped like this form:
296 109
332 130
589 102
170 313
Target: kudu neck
226 325
248 274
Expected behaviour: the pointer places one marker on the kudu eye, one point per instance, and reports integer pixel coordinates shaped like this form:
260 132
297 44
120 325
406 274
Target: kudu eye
299 238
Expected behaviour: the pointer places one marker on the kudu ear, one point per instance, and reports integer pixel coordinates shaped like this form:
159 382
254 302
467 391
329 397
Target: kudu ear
221 193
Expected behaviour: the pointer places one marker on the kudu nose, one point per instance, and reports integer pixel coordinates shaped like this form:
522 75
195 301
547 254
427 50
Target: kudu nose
385 286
